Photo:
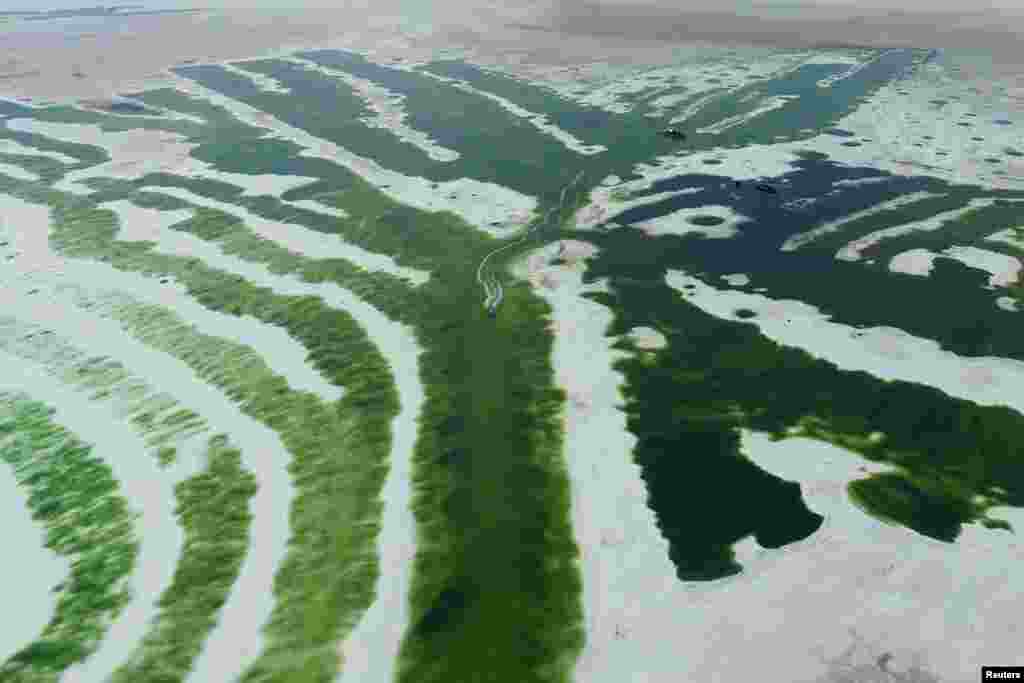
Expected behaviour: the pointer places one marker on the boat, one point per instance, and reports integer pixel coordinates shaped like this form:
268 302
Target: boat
673 133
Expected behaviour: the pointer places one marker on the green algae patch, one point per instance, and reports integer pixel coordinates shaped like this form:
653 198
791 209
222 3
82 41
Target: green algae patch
87 155
46 169
156 416
213 507
496 587
75 497
339 451
339 454
490 394
953 459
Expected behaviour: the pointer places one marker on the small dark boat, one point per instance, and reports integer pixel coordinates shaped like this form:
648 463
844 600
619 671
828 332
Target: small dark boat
492 311
674 133
766 188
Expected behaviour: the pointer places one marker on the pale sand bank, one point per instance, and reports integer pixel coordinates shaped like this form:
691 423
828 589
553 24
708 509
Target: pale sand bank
885 352
313 205
913 262
737 279
370 652
1003 270
680 222
1008 303
262 82
479 204
749 163
798 240
302 240
25 585
139 224
853 250
647 338
767 105
1008 236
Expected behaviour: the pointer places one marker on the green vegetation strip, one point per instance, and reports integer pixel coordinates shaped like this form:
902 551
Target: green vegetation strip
214 510
504 561
953 459
161 420
75 496
339 450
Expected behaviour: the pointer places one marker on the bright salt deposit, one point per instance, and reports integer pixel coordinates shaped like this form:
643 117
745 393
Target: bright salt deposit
26 586
312 205
679 222
885 352
389 113
302 240
477 203
1004 270
853 250
913 262
251 599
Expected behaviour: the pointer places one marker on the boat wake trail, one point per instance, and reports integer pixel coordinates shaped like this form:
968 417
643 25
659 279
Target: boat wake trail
488 281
